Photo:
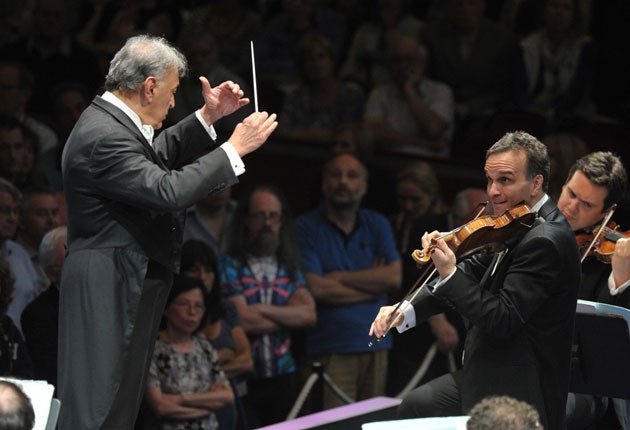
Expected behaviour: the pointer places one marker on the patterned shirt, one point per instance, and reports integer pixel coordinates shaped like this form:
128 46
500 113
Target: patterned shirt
178 372
271 351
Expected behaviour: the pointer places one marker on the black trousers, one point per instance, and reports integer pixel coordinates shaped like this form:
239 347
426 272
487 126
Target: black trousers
437 398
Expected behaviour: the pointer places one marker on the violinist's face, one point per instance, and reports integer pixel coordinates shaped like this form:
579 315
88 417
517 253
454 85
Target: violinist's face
508 184
582 201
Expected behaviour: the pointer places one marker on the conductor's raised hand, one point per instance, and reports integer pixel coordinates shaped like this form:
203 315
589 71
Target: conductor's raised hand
250 134
221 100
385 320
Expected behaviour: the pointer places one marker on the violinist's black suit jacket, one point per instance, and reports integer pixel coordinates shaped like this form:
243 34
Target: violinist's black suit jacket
520 319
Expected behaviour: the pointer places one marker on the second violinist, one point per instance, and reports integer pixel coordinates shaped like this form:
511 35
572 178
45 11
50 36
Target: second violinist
519 304
596 182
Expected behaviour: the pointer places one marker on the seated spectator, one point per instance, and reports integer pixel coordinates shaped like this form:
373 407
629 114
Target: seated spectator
39 213
53 54
204 56
233 24
14 358
503 413
277 46
223 328
564 149
39 319
16 410
68 101
366 61
186 383
473 56
209 220
261 275
16 86
557 65
322 101
26 286
412 114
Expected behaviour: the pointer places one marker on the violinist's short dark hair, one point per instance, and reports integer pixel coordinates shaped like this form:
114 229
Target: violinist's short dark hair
605 169
537 156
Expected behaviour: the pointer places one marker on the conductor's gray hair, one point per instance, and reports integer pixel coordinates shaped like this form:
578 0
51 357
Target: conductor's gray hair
143 56
49 243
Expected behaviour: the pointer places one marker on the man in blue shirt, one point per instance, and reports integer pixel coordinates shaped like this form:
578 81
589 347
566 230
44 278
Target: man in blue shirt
350 264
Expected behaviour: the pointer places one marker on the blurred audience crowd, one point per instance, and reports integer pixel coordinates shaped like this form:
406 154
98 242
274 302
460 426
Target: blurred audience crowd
431 81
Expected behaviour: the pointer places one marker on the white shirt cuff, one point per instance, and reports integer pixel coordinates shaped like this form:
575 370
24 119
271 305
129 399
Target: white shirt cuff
409 317
442 281
209 128
611 286
235 161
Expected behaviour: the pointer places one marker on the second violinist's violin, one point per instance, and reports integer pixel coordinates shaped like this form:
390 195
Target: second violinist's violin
484 233
603 246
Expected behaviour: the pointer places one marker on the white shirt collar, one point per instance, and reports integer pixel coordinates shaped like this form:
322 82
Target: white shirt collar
146 130
539 204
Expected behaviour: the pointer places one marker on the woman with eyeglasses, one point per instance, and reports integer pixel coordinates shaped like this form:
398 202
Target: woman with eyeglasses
186 384
223 328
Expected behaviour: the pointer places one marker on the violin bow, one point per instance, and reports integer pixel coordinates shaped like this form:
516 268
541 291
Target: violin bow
409 297
599 232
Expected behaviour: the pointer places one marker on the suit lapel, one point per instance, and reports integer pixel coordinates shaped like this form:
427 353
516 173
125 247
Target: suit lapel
124 120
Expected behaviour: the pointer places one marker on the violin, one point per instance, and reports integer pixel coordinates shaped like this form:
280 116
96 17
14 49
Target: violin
482 234
601 241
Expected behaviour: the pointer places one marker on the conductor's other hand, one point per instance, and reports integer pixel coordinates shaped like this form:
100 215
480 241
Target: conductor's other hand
250 134
382 323
221 100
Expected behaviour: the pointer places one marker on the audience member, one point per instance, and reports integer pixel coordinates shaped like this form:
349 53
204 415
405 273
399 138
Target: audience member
39 319
26 286
16 87
204 55
366 62
351 137
519 305
503 413
557 65
350 265
233 24
446 329
39 213
12 147
277 46
186 383
261 275
564 149
411 114
472 55
30 173
14 357
209 220
52 54
68 101
322 101
594 184
16 410
223 328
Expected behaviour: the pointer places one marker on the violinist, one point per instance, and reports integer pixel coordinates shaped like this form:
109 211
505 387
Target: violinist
596 182
519 303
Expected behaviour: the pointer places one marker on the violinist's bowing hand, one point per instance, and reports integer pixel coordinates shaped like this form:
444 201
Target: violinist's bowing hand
621 262
382 323
442 256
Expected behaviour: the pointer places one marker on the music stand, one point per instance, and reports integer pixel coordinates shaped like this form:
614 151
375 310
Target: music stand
601 350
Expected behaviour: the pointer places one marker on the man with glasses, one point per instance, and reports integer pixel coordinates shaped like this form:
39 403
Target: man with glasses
261 275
